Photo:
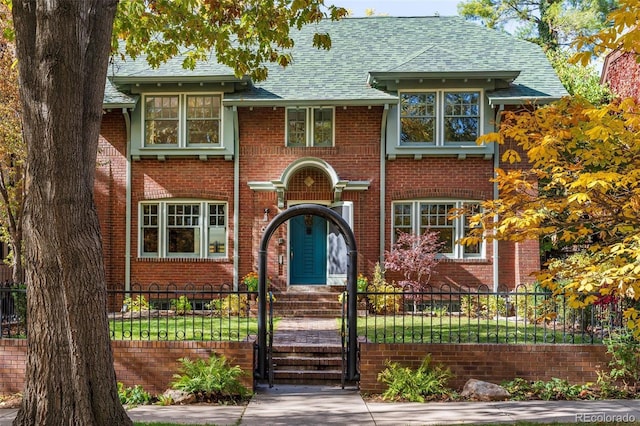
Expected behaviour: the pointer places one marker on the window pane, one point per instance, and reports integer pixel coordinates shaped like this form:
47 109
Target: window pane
150 240
322 127
216 215
161 120
435 217
417 117
461 116
184 240
203 119
203 131
402 219
470 210
150 232
296 127
217 241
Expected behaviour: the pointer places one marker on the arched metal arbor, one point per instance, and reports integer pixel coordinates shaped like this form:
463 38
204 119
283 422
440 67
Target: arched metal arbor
352 274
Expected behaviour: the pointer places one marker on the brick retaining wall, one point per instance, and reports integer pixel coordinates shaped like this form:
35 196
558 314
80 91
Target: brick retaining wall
149 364
152 364
490 362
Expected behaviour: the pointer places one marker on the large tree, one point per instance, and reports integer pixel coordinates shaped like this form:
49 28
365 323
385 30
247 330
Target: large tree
63 49
550 23
581 186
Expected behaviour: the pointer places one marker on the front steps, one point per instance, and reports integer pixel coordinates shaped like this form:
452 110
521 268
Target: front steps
309 301
309 365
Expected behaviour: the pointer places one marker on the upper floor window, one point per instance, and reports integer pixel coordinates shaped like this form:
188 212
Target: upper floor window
312 126
182 120
417 217
183 229
439 117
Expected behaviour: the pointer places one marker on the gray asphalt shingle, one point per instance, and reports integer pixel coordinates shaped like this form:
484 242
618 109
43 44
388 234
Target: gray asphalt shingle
384 45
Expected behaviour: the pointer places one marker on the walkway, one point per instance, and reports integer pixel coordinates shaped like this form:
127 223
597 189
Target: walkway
310 405
307 331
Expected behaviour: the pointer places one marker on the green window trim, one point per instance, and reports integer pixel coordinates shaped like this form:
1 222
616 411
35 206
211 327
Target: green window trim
418 216
183 229
440 117
180 120
310 126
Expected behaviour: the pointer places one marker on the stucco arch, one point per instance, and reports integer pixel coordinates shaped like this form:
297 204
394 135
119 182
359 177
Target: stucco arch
281 184
301 163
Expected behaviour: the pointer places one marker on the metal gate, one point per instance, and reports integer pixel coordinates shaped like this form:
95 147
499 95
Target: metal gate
264 367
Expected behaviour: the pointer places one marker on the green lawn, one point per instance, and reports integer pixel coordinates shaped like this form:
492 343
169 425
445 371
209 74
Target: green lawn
190 327
460 329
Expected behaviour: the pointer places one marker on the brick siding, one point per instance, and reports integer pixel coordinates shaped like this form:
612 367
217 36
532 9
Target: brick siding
263 157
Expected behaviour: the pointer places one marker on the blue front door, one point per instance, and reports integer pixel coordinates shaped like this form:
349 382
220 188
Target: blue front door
308 250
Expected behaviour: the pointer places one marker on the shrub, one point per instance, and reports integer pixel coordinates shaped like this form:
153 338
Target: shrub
624 349
231 305
483 305
181 305
554 389
427 382
136 305
133 396
383 298
213 380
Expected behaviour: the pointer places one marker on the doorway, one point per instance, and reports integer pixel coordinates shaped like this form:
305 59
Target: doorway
308 250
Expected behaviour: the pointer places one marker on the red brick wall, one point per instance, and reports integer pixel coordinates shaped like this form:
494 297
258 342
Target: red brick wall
489 362
622 72
13 359
110 194
263 157
149 364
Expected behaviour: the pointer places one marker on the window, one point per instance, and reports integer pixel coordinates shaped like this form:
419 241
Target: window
439 117
183 229
309 127
421 216
182 120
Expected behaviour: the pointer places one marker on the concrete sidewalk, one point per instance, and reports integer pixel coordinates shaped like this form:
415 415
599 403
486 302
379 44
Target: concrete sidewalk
322 405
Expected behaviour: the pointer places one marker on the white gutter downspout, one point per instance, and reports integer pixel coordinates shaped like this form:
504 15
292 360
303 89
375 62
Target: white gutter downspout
383 178
496 194
127 226
236 194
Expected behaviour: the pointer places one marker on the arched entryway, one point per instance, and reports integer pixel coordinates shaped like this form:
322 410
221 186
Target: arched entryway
343 227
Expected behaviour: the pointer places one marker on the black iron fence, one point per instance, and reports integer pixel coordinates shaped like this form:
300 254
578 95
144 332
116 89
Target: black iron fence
438 315
448 315
13 309
185 313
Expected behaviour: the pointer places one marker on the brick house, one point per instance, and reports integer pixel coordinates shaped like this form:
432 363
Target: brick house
621 71
381 128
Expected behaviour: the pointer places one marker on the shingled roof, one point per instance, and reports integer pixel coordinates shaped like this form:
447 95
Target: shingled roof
366 49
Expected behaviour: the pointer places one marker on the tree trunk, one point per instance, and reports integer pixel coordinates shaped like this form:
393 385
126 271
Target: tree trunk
63 50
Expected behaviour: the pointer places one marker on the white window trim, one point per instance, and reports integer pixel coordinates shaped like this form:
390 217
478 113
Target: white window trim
309 125
439 131
163 237
182 120
458 226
